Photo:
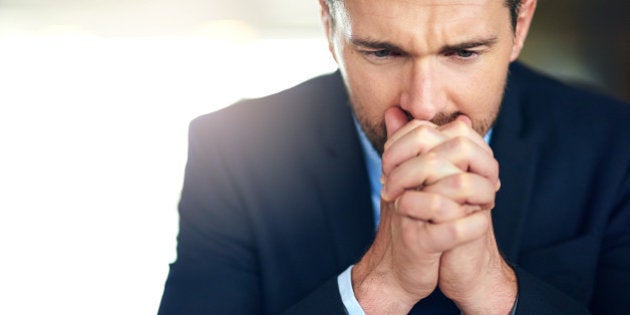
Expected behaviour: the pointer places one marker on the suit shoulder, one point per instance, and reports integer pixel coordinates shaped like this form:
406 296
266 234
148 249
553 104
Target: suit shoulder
560 104
278 123
551 94
292 103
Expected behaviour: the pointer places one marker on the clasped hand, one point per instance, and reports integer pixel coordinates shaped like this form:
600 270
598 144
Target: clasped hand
439 185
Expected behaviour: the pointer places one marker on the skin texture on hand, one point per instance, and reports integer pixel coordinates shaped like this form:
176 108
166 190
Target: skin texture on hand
436 227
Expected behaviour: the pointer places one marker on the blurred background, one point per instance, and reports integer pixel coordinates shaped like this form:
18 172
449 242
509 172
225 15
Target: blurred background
95 99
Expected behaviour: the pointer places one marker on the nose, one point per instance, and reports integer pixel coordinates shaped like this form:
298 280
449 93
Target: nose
420 91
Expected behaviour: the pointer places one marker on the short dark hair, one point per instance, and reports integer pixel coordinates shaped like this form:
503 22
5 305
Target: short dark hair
513 5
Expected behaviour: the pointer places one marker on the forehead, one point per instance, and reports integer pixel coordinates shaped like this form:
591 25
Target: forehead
392 8
438 20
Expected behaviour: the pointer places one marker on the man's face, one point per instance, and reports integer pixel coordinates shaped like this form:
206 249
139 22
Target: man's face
435 59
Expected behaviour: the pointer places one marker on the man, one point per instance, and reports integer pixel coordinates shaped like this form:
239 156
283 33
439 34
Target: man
276 214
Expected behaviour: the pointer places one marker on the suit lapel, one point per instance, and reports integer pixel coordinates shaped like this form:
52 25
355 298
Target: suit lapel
340 174
515 147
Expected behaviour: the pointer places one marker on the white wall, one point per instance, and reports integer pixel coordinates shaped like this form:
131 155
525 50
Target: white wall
92 151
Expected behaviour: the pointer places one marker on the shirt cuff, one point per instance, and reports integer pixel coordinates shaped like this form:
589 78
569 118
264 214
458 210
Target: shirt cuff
344 281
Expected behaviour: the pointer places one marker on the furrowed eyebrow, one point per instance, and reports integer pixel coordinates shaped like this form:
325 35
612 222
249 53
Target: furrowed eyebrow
372 44
489 42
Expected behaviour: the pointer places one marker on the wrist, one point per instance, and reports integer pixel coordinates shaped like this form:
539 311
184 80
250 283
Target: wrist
495 296
377 293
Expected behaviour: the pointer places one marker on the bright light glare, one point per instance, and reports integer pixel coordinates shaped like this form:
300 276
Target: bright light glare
93 134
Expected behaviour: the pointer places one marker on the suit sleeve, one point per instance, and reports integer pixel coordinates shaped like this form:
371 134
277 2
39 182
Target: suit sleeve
611 292
217 267
537 297
612 287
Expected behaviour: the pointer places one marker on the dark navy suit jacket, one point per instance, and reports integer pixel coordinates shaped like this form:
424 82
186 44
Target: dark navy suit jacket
276 203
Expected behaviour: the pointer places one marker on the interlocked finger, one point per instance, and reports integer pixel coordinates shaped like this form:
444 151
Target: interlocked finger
458 128
468 156
411 125
415 142
445 236
429 207
416 173
465 189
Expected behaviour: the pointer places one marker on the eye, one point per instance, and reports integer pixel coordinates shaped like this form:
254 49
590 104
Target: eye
465 53
382 54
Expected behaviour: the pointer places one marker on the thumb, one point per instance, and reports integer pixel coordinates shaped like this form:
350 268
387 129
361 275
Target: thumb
465 119
395 118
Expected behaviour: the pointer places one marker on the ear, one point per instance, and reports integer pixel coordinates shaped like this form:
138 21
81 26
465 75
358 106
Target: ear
327 23
523 21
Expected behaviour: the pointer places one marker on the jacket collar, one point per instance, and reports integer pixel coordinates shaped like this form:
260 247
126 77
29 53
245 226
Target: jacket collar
340 173
515 145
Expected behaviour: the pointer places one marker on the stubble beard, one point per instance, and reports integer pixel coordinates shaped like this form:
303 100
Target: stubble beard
376 131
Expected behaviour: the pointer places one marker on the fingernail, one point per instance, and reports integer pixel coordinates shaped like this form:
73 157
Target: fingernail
382 179
498 184
384 195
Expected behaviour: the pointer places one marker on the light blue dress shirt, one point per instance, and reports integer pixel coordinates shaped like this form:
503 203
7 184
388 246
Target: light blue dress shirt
374 168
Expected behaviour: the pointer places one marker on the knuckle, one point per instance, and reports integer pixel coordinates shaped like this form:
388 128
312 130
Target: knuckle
489 205
432 159
421 132
436 205
454 232
460 181
393 179
386 159
495 167
401 204
462 144
458 127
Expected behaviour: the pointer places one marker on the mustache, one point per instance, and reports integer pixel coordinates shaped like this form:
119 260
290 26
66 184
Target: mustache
440 119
